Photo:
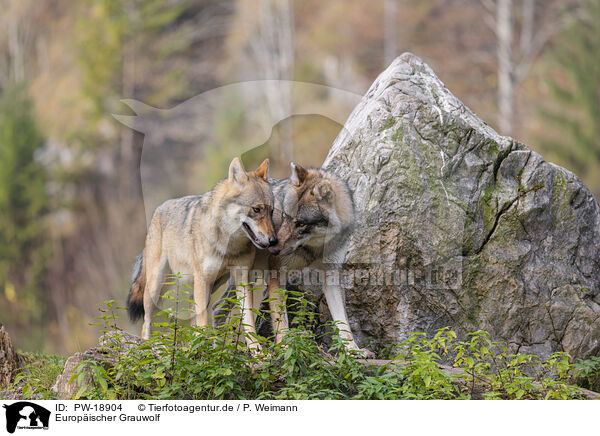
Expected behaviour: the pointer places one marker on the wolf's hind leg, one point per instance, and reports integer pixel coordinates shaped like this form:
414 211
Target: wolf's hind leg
156 272
202 289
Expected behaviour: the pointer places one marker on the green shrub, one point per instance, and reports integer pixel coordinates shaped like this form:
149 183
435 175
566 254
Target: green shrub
38 375
491 372
587 373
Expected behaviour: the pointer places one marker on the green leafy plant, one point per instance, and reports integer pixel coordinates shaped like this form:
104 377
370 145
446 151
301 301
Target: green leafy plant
491 372
36 378
94 381
423 377
587 373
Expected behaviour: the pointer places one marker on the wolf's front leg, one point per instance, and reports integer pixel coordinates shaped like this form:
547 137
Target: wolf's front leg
278 309
335 302
245 294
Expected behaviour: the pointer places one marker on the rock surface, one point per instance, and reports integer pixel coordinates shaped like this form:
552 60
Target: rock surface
459 226
120 343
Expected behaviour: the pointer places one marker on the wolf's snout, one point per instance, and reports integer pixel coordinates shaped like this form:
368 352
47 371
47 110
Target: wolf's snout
275 246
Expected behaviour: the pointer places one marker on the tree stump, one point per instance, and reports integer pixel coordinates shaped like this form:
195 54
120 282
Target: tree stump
10 361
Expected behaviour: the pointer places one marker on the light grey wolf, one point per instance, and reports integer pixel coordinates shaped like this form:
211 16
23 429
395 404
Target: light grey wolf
313 216
206 236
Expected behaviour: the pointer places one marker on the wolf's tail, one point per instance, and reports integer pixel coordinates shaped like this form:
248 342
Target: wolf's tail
135 299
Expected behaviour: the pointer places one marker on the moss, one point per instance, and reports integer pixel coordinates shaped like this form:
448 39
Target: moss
491 147
389 123
489 207
398 135
560 186
560 198
406 160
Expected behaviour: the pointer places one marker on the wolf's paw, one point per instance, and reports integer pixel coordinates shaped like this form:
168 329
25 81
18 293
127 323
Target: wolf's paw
365 354
361 353
255 348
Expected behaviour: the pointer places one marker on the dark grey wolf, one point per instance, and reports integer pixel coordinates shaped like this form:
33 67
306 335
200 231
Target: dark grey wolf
206 236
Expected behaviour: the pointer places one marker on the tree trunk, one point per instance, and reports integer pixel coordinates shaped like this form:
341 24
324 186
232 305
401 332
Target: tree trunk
528 14
506 92
390 38
274 51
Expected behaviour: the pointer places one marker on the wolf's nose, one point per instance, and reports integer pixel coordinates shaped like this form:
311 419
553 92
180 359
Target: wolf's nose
273 240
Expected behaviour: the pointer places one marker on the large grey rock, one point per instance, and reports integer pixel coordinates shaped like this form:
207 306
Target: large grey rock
481 232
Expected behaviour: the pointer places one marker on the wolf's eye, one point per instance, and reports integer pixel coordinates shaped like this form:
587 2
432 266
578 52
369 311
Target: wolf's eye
256 209
300 225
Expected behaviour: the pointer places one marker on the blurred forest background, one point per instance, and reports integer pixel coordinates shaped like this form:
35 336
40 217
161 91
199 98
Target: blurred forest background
72 215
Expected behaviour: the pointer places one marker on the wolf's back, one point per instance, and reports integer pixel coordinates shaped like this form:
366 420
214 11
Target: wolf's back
135 299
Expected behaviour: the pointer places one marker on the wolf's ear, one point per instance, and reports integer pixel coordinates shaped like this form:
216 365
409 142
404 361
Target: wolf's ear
237 173
298 175
263 170
323 191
